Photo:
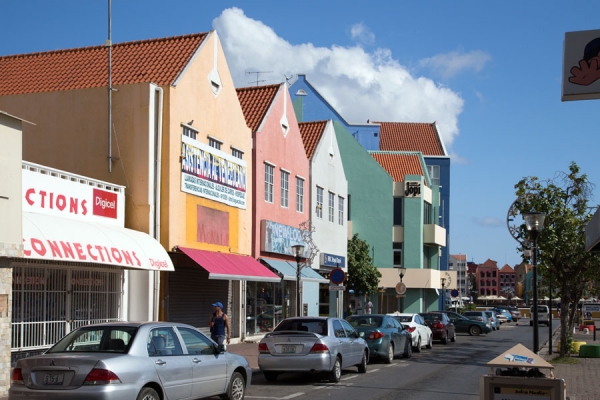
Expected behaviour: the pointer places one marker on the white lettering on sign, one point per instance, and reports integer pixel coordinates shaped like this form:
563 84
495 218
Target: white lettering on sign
105 204
55 201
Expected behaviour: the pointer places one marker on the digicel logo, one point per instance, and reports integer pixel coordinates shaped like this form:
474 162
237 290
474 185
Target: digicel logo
105 204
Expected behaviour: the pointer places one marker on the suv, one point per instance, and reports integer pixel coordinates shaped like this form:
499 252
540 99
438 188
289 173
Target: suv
542 311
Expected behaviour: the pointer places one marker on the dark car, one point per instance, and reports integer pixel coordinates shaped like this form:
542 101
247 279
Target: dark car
385 336
440 324
466 325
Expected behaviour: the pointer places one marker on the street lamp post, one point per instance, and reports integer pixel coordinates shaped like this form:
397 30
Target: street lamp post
298 250
443 294
534 221
401 272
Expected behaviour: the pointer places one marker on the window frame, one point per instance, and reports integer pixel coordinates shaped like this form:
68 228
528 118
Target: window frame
319 208
331 206
269 172
284 177
299 194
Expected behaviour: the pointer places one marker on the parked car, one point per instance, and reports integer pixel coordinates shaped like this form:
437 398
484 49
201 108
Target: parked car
312 344
442 328
385 336
492 317
504 312
125 360
515 313
463 324
542 311
501 317
480 316
415 324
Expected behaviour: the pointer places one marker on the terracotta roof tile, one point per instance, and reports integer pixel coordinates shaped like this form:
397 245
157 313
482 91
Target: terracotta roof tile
399 164
411 136
155 60
255 102
507 268
460 257
311 135
489 263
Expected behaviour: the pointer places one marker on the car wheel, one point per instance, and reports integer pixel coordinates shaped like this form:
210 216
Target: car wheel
362 367
237 387
408 349
336 372
474 330
390 356
445 338
418 348
148 393
430 343
270 376
453 338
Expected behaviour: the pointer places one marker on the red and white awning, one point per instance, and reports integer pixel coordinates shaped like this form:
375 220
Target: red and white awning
49 237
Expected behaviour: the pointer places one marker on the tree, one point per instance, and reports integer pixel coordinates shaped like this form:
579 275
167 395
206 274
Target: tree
562 262
363 276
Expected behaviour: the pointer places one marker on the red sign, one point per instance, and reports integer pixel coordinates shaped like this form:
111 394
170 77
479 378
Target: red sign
105 204
337 276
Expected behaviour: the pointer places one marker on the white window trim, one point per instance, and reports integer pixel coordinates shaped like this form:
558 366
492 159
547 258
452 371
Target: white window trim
211 137
237 149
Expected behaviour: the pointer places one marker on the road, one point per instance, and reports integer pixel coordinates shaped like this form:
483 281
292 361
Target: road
450 371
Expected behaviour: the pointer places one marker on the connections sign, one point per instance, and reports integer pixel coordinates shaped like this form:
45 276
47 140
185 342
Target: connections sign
212 174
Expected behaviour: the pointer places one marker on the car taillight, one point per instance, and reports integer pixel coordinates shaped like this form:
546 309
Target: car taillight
99 376
480 319
262 348
17 377
375 335
319 348
438 325
410 329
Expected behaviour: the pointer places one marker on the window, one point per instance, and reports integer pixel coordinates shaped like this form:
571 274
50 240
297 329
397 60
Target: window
397 254
269 170
331 206
299 194
398 202
427 216
285 182
434 174
189 131
216 143
237 153
340 210
319 202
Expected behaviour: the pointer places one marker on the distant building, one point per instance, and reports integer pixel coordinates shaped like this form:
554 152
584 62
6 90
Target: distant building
488 278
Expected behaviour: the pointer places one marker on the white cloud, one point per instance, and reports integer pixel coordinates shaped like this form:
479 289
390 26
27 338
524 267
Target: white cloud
360 85
488 221
453 63
361 34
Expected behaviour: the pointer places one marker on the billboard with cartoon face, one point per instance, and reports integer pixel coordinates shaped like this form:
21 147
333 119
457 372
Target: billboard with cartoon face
581 66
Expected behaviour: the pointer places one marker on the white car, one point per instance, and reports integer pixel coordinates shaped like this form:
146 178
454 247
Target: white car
420 333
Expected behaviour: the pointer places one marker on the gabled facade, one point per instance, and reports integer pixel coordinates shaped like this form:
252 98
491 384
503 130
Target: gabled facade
417 239
328 208
281 205
179 145
488 279
507 282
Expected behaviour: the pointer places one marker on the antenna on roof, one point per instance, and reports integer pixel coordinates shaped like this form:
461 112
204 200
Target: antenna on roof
258 72
287 80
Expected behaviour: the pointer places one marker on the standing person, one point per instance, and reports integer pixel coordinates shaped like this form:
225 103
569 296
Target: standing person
217 322
368 306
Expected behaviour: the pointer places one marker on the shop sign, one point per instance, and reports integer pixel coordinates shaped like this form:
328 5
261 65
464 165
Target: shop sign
331 260
52 195
279 238
212 174
412 189
29 280
580 62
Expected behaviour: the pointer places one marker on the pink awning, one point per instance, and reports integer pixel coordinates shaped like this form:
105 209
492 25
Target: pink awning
231 266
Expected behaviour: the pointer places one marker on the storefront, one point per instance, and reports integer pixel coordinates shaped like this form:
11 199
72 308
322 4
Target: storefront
77 258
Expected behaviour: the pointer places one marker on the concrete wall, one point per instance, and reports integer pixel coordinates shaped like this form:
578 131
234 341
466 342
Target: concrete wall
5 329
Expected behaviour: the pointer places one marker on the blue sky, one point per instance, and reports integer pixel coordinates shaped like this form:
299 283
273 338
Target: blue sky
489 74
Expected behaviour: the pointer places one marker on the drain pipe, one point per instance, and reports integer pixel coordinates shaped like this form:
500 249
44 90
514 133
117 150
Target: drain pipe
155 191
109 45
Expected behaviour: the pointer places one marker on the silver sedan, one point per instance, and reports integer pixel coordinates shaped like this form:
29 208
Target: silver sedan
144 361
312 344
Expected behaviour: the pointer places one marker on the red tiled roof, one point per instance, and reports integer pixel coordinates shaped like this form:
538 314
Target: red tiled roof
460 257
255 102
410 136
399 164
311 134
507 268
159 61
489 263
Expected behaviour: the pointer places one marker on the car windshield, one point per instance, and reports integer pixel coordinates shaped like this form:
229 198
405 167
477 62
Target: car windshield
432 317
403 318
358 321
112 339
318 326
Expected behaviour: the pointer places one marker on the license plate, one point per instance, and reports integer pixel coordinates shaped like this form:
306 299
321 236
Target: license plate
53 379
288 349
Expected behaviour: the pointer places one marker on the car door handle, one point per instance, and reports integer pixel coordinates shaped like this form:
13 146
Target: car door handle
160 362
196 360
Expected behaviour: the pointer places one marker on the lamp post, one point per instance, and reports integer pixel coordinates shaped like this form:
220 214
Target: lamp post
298 250
401 272
443 280
534 221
